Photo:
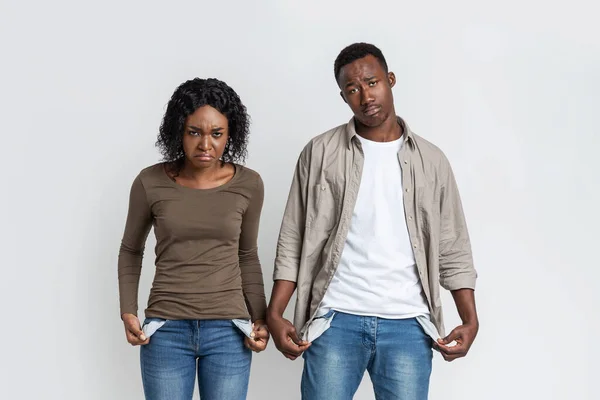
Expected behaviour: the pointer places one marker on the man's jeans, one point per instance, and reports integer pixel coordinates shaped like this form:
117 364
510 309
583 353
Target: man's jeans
179 348
396 352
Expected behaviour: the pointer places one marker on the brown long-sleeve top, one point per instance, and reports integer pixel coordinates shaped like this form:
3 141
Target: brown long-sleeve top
207 264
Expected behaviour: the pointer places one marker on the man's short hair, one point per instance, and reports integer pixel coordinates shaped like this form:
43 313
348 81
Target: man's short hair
354 52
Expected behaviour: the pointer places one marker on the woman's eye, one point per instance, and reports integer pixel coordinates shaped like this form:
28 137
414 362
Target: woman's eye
217 134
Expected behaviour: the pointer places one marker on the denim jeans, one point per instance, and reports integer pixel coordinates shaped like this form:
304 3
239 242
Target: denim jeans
214 349
397 354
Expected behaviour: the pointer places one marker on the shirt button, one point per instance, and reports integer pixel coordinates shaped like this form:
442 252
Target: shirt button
406 190
405 162
410 217
414 246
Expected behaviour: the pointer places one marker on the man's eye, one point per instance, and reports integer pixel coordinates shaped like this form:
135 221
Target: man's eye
372 83
352 91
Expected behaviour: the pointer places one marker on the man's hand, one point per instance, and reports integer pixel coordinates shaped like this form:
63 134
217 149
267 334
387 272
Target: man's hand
133 330
463 335
284 334
259 337
286 338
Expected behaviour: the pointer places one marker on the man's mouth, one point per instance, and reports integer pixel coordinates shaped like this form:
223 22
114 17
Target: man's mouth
371 110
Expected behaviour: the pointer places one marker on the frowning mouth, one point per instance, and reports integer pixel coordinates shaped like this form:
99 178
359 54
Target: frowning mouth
371 110
203 157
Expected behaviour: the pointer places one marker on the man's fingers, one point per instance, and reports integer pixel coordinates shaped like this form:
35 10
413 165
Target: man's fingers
453 352
455 334
299 348
451 358
463 336
294 336
449 350
289 356
291 348
286 340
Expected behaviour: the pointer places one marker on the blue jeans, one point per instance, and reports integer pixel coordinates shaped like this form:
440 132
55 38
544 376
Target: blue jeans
180 348
396 352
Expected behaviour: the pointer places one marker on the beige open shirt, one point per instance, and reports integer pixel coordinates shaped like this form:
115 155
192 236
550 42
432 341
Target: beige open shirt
319 211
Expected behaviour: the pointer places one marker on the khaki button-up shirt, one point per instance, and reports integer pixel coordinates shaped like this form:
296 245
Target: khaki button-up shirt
319 212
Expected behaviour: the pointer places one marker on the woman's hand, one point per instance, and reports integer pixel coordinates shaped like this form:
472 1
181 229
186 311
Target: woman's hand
133 330
259 337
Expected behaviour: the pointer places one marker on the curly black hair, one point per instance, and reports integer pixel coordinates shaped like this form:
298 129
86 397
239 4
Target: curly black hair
186 99
357 51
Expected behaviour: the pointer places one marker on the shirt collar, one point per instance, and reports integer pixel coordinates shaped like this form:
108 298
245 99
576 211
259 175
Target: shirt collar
351 132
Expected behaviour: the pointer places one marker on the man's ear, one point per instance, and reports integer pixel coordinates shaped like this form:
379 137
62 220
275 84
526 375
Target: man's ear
391 79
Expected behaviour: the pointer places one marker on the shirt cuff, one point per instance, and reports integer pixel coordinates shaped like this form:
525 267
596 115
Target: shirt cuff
465 280
285 274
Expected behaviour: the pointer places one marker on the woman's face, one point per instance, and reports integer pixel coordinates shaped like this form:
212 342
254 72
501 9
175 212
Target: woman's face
205 136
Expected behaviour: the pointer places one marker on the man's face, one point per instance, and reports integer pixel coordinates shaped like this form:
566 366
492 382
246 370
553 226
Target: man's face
367 89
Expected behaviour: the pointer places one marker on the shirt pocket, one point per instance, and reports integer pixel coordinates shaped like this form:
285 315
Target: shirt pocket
427 196
324 208
427 192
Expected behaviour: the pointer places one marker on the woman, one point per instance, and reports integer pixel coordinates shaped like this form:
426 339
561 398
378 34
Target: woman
208 286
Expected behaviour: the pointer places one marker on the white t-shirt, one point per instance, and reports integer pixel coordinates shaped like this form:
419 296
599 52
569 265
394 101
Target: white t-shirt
377 274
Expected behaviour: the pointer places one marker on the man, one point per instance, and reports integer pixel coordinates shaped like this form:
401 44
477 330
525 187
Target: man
373 226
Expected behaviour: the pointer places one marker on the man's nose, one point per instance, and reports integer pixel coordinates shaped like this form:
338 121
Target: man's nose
365 97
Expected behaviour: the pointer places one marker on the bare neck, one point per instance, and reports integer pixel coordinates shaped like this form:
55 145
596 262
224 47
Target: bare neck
201 175
388 131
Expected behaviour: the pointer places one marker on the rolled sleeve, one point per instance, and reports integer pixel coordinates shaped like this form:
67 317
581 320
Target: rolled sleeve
291 234
457 270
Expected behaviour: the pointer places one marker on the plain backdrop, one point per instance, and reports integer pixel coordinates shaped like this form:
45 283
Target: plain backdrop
509 90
